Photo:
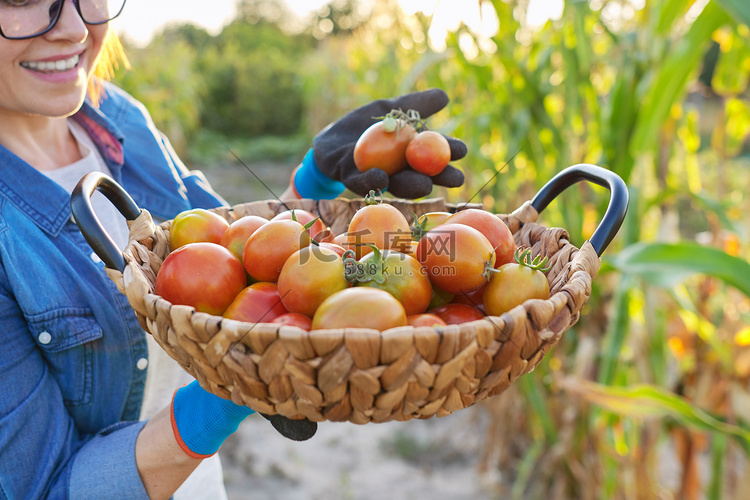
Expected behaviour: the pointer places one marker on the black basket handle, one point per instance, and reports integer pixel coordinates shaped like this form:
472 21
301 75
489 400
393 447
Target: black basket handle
618 198
83 213
101 242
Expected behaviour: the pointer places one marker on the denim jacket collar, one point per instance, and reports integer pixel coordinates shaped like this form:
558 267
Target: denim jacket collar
46 203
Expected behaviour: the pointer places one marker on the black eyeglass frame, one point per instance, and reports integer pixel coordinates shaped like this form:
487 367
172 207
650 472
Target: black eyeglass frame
53 22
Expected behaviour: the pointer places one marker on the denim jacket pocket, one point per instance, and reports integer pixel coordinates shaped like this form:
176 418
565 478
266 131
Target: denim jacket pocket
67 338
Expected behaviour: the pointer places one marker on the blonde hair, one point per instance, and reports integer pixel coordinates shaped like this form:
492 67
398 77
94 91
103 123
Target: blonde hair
111 58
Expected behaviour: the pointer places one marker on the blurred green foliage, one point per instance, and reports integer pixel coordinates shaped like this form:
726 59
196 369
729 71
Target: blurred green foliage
658 368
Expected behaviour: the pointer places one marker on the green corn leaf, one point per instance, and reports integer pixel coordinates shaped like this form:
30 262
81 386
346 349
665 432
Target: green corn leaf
670 81
738 9
667 264
646 401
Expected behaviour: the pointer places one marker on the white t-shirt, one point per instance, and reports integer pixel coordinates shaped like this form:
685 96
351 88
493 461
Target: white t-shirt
164 375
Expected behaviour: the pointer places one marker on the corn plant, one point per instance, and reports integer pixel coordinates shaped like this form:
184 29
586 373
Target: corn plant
656 372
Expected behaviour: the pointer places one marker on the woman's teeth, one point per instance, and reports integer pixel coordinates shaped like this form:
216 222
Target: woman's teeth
61 65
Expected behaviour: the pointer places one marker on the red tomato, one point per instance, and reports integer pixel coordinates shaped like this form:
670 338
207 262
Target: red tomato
304 217
203 275
198 224
382 225
404 278
428 153
424 319
294 319
456 257
455 314
333 246
492 228
239 231
325 236
258 303
512 285
270 246
473 299
360 307
308 277
377 148
439 298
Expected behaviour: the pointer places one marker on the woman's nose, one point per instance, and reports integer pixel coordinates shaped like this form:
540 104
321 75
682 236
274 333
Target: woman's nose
69 24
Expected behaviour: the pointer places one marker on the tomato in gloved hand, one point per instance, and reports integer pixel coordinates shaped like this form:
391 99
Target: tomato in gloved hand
378 147
428 152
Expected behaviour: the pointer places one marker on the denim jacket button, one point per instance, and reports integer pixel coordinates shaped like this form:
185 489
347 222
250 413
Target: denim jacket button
44 338
141 364
95 257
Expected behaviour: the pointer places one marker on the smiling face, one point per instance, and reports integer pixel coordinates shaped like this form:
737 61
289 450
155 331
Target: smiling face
48 75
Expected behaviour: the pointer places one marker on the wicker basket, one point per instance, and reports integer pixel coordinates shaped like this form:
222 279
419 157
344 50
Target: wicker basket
351 374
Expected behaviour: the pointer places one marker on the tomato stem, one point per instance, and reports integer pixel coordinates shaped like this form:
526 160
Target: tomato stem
522 256
374 197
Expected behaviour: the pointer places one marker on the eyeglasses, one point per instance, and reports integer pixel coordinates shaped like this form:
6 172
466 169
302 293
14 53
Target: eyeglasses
21 19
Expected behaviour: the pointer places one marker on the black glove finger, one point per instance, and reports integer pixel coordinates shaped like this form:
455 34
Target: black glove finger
450 177
458 148
427 102
296 430
410 184
363 182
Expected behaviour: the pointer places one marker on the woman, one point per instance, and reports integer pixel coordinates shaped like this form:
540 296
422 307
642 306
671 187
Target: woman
73 359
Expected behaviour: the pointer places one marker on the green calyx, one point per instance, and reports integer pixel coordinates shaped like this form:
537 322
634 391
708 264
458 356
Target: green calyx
362 272
419 228
374 197
522 257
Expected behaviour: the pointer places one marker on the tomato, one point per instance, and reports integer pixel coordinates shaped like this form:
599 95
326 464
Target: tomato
471 298
333 246
308 277
239 231
294 319
380 224
304 217
402 276
203 275
428 152
456 257
198 224
377 148
360 307
425 319
269 247
455 314
258 303
427 221
494 229
439 298
513 284
325 236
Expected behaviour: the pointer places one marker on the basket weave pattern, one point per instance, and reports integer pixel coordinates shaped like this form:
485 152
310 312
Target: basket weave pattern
352 374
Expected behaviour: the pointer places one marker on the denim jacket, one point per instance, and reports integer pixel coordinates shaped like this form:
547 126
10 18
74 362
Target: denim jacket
72 355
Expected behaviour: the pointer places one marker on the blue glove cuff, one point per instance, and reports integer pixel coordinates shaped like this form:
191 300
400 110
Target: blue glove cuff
311 183
201 421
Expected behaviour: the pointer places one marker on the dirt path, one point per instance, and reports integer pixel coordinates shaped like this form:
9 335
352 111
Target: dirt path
436 459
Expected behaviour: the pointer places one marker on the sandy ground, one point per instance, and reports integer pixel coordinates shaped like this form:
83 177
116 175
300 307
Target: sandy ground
436 458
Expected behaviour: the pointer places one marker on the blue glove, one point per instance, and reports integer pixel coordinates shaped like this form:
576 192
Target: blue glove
310 182
202 421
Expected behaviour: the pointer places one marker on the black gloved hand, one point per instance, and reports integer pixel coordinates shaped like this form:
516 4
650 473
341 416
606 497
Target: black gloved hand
333 150
296 430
